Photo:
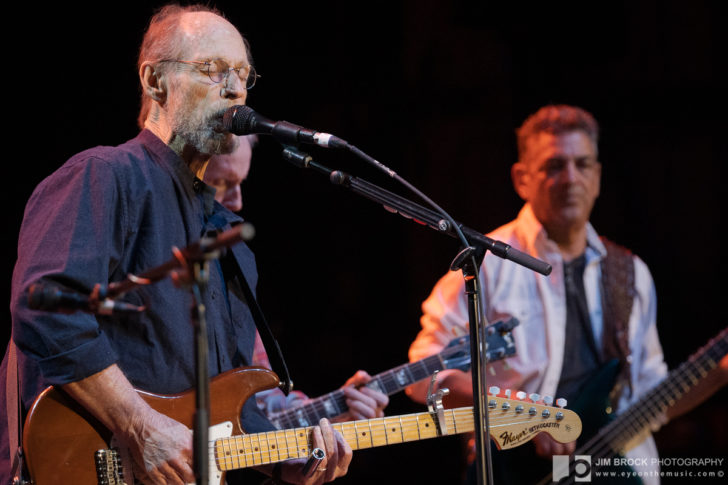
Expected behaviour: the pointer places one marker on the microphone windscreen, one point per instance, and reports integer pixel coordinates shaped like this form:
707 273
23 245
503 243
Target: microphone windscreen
239 120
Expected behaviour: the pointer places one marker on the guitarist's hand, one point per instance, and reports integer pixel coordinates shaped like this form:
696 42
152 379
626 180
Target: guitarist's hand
335 464
363 402
546 446
161 449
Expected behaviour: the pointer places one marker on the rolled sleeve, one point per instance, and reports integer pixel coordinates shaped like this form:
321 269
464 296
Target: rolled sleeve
90 357
71 238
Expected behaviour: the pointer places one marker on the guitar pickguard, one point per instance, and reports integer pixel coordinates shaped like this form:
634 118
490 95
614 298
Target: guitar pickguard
114 464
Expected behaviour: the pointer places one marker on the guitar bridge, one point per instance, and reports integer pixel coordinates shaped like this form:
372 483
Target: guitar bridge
108 467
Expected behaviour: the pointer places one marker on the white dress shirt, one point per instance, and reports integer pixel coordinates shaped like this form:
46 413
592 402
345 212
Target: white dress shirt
539 303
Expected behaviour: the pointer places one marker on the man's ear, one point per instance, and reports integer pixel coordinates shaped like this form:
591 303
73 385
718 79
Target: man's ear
520 177
153 83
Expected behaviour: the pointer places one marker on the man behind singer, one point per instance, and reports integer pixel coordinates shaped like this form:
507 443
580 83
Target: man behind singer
113 211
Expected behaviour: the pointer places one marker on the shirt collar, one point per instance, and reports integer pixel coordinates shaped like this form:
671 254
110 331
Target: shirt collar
535 239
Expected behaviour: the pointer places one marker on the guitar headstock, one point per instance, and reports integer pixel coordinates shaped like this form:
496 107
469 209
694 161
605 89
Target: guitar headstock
499 344
516 418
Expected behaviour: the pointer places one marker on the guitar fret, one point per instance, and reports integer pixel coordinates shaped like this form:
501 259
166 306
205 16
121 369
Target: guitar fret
356 435
291 443
369 430
691 376
258 453
222 455
234 458
267 447
377 385
421 370
248 447
388 382
239 451
276 447
301 450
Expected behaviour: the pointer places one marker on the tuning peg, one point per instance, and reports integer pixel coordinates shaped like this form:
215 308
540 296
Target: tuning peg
548 400
507 393
521 395
534 397
494 390
561 402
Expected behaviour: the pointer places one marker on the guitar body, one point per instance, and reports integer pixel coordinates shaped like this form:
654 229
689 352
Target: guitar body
61 438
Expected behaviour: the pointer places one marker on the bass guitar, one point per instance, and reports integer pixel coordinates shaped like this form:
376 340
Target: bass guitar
499 345
64 444
606 436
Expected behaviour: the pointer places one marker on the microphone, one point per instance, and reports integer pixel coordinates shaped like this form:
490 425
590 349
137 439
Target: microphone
53 299
243 120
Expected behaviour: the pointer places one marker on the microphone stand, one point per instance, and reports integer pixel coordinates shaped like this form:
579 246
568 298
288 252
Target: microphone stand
468 260
197 284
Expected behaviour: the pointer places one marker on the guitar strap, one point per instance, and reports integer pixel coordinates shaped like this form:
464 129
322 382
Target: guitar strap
13 407
618 293
266 335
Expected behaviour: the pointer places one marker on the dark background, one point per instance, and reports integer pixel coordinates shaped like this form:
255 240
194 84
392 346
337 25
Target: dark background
434 90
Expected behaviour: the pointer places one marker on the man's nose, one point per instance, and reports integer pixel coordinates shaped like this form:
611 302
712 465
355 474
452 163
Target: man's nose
569 172
233 87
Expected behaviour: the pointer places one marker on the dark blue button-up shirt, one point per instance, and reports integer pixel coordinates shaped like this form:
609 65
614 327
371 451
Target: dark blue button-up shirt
108 212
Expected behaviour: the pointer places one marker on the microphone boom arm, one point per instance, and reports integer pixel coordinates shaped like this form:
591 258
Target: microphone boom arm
395 203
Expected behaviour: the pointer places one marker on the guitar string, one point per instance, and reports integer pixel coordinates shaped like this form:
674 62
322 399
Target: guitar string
666 390
317 407
602 443
412 423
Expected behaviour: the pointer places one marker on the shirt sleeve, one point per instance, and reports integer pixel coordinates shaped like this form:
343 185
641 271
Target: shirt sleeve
444 317
71 237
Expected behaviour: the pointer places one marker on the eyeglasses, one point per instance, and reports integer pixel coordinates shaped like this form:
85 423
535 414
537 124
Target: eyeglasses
218 71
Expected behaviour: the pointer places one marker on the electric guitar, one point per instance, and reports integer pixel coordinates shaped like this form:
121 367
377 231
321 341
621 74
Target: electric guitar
606 436
498 345
64 444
